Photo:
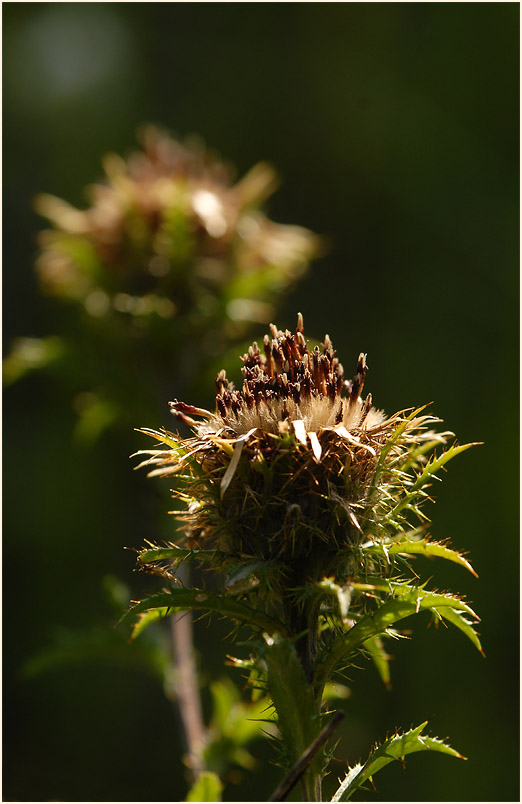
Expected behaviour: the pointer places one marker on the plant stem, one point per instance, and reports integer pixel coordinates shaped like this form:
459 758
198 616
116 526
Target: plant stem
299 768
187 691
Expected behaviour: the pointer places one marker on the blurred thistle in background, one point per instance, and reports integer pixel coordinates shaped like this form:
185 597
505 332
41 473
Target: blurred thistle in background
169 233
170 250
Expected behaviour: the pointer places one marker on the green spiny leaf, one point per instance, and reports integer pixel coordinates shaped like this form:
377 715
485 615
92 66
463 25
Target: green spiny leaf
429 471
458 620
182 599
421 547
405 601
390 443
165 438
147 618
176 554
395 748
380 658
413 455
434 464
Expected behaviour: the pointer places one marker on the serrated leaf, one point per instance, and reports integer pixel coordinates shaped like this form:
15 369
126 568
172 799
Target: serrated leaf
165 438
413 455
208 787
147 618
395 748
391 441
464 625
434 464
406 600
150 555
182 599
429 471
380 658
422 547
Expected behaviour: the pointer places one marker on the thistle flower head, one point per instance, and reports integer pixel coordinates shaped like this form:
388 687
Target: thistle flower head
286 382
286 467
307 498
288 388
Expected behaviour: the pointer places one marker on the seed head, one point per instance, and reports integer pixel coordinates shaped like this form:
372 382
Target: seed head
294 467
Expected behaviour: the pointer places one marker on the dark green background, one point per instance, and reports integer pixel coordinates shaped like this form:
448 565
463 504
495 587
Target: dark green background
395 129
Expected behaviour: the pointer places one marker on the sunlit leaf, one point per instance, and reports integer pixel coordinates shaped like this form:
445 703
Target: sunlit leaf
182 599
429 471
165 438
175 554
391 441
405 601
380 658
147 618
395 748
423 547
434 464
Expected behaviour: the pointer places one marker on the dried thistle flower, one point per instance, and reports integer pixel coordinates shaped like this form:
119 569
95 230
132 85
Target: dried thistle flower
169 234
303 493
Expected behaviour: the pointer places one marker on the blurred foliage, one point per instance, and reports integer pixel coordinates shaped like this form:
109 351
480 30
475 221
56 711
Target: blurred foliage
207 788
396 129
234 724
104 645
169 265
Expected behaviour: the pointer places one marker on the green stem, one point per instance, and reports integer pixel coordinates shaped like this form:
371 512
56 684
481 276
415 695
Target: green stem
297 707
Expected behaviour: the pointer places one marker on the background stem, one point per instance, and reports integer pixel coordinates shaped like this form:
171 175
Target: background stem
187 691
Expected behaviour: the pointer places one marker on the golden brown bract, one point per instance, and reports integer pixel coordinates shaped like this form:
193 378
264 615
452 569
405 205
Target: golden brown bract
284 385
